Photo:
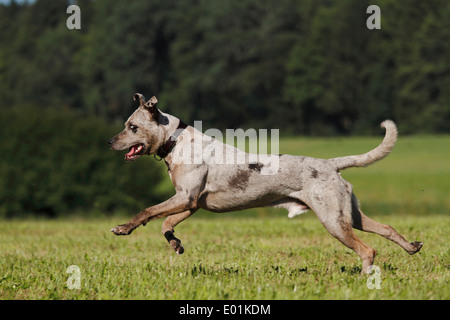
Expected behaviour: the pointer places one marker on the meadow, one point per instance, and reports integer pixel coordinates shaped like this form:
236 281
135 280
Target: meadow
256 254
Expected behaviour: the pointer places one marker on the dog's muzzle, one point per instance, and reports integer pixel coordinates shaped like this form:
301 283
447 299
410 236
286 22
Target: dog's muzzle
111 141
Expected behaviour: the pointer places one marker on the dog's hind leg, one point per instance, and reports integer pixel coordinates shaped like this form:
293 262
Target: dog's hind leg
361 222
336 218
168 229
342 231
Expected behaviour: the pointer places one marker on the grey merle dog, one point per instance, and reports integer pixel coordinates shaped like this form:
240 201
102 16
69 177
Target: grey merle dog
298 183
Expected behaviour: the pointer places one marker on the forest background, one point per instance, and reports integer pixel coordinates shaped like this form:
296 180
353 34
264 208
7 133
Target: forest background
309 68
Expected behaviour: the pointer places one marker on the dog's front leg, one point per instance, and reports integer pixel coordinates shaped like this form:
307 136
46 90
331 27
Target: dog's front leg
178 203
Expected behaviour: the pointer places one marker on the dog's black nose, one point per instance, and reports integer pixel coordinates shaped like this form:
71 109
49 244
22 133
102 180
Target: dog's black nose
111 141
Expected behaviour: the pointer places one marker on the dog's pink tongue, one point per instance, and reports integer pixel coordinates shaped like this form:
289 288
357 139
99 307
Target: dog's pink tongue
129 154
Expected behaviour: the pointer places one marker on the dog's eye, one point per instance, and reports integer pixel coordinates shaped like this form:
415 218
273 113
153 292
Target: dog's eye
133 128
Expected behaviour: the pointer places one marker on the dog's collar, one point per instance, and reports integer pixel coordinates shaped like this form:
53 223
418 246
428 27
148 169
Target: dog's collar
165 149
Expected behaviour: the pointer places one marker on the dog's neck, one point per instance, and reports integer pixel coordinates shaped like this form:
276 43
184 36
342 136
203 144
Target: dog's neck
172 129
168 123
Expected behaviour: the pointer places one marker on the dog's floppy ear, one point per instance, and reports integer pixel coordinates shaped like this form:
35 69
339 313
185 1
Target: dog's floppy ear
151 106
152 102
140 97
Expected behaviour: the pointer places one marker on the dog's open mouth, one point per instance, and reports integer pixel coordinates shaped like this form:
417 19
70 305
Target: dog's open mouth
135 151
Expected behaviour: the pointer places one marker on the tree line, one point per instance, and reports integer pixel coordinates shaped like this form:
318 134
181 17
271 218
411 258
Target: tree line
307 67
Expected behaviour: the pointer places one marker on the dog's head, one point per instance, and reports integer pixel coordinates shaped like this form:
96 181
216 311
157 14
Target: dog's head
142 134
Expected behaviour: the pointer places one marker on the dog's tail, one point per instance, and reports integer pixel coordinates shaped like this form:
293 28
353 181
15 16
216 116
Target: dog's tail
376 154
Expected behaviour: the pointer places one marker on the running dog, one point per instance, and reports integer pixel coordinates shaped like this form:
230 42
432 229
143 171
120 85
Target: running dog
299 183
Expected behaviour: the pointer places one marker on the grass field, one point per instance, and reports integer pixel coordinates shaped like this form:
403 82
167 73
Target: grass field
258 254
225 258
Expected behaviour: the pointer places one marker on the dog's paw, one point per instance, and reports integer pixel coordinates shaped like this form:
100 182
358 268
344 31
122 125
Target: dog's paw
180 250
176 245
417 245
122 230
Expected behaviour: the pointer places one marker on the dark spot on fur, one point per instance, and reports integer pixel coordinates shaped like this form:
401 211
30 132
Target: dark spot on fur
191 200
343 221
255 166
162 119
239 180
314 173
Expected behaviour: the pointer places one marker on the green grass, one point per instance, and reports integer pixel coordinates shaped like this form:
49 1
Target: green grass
257 254
226 258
